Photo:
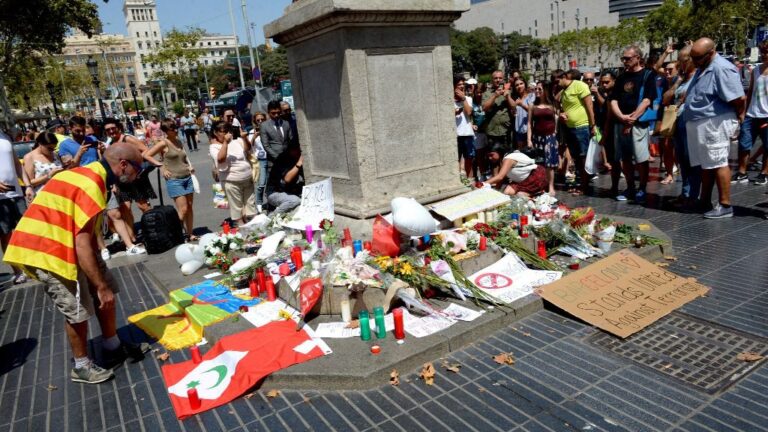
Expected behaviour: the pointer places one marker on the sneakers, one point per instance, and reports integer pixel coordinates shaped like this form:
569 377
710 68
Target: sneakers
760 179
126 351
135 250
105 255
19 279
719 212
623 196
739 178
640 196
91 374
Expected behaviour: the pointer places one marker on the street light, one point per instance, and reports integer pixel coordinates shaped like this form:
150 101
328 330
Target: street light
52 93
93 69
522 50
545 55
505 47
132 85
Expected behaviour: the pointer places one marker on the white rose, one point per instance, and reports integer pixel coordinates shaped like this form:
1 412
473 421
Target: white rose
233 246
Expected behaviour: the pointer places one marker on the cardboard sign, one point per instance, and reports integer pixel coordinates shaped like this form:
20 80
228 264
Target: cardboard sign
316 205
622 294
469 203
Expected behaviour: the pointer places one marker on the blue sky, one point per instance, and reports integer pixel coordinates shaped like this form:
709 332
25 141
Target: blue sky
211 15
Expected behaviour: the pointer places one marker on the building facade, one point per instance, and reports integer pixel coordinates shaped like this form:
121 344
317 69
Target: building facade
633 8
215 48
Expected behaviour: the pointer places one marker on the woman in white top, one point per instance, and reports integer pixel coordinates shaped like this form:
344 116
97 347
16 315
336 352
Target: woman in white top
41 164
518 174
259 157
756 121
230 156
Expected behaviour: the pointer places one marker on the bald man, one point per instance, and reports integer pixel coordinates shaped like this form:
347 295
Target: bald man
55 242
714 103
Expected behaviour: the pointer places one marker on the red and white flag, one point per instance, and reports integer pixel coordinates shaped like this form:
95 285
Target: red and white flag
236 363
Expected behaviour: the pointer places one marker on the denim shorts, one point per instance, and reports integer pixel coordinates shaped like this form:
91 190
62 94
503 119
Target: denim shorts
751 129
577 140
180 187
466 145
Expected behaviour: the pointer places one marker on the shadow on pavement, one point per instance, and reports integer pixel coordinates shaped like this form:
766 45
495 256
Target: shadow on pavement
14 354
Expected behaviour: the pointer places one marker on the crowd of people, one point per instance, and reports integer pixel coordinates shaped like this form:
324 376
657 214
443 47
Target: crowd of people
520 137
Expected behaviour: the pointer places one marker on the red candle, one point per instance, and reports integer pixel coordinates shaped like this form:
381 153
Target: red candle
483 245
271 295
368 246
243 308
427 260
399 325
347 235
296 258
524 226
253 287
285 269
541 249
261 279
194 399
196 357
225 227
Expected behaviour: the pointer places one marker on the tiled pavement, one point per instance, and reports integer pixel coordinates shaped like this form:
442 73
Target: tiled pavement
559 382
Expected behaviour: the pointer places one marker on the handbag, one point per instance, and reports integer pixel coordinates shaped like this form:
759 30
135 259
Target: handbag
668 121
652 112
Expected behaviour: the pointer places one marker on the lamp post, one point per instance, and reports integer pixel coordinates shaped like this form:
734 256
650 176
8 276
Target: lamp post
557 3
132 85
52 93
195 75
522 50
505 47
746 29
536 54
93 69
545 55
26 102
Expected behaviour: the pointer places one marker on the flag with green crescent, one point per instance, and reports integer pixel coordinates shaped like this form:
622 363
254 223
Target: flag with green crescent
237 363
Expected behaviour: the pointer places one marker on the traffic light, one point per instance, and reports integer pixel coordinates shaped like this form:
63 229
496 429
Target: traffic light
212 92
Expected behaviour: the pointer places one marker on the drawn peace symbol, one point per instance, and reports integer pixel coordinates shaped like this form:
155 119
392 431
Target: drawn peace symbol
493 281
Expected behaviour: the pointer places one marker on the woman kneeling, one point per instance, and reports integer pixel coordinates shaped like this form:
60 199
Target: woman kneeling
518 175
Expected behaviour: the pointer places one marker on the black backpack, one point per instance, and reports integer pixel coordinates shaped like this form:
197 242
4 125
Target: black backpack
161 227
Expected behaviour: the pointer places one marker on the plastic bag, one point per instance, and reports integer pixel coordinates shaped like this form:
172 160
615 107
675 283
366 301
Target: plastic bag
195 184
411 218
310 291
594 157
386 239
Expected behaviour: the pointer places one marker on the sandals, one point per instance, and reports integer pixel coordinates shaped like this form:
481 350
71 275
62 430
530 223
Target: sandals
668 180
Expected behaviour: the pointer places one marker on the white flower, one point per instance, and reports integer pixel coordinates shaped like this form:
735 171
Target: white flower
209 261
215 251
233 246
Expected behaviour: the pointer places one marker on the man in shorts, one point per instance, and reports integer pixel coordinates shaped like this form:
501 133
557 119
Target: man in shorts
12 205
55 242
714 103
632 95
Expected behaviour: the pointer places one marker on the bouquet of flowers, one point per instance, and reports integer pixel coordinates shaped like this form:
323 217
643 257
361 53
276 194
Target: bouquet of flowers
218 252
581 216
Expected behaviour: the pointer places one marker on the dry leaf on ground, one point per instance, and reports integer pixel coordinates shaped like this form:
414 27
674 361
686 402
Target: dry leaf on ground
693 267
163 356
504 359
353 324
394 377
428 373
662 264
273 394
51 387
670 258
749 357
452 367
250 395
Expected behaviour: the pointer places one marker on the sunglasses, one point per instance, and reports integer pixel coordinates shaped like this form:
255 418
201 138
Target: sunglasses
700 57
136 166
221 130
110 129
627 58
605 82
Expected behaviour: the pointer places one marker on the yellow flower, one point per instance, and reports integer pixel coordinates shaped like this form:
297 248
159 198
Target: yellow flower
383 261
405 269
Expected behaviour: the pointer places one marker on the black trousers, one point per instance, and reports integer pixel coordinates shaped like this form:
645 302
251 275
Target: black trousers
191 135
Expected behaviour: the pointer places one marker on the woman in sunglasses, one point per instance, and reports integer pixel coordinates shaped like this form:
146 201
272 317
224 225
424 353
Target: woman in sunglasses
230 156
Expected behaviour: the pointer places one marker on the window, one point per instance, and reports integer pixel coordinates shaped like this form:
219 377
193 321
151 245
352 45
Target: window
213 53
586 21
535 23
146 75
225 42
139 43
220 53
552 27
157 44
154 33
529 31
551 17
551 6
537 33
152 14
217 43
137 34
146 34
563 25
206 61
209 43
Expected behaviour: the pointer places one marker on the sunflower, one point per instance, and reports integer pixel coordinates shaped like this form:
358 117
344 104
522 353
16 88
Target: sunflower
384 262
405 269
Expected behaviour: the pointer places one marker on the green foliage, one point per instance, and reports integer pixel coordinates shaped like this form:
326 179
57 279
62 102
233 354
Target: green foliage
178 107
175 50
477 51
128 105
274 65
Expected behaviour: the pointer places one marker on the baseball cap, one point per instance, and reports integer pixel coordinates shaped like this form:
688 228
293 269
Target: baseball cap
54 124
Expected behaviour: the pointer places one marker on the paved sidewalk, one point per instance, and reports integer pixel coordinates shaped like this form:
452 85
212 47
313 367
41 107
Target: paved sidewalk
560 380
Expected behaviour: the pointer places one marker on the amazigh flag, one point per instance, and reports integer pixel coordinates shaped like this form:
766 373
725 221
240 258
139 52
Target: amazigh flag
236 363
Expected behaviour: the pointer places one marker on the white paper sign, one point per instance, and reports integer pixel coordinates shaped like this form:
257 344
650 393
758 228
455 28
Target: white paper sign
424 326
469 203
336 330
462 313
509 279
316 205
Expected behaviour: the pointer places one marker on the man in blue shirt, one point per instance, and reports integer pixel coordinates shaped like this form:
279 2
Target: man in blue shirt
78 150
714 104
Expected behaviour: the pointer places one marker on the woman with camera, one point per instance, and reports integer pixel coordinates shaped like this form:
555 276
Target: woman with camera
229 151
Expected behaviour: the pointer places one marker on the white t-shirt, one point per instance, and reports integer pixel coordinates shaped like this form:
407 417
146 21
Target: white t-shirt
257 148
8 168
758 106
522 169
236 167
463 126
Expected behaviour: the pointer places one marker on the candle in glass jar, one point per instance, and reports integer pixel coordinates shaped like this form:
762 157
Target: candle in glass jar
397 314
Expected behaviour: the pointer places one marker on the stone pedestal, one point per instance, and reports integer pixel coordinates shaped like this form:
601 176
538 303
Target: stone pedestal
374 98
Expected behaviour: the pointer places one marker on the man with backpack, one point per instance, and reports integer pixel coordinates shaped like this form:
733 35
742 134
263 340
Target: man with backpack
633 94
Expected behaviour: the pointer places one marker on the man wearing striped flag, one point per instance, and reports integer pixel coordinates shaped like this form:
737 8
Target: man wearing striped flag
55 242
